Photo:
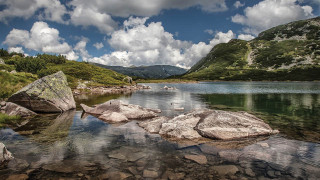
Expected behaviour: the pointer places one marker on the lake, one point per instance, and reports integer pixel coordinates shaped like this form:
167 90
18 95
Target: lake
68 146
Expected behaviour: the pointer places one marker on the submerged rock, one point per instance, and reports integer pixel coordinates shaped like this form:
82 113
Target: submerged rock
13 109
200 159
153 125
5 155
117 111
49 94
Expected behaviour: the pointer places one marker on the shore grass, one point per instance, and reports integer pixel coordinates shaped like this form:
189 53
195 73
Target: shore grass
5 119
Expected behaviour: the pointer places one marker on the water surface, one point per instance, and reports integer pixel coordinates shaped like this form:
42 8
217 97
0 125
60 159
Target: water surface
55 146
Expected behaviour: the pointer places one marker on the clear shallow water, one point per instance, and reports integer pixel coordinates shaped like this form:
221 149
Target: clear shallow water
53 146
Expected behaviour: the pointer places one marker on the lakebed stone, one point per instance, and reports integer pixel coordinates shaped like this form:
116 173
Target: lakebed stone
49 94
200 159
117 111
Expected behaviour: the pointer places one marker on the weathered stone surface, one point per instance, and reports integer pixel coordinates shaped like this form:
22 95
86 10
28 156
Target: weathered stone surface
181 127
113 117
200 159
5 155
13 109
150 174
130 111
1 61
48 94
225 169
153 125
227 125
18 164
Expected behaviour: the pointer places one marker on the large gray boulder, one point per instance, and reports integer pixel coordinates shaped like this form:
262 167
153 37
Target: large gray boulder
226 125
49 94
5 155
13 109
117 111
1 61
213 124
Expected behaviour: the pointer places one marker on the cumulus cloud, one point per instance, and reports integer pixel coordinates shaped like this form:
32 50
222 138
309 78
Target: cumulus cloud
246 37
80 49
238 4
16 49
126 8
209 31
98 45
141 44
270 13
41 38
51 10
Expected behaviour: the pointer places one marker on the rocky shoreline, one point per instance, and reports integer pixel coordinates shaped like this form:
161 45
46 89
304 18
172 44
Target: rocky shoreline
108 90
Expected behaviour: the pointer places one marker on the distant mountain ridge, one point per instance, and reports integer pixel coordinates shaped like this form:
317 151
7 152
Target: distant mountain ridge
147 72
285 52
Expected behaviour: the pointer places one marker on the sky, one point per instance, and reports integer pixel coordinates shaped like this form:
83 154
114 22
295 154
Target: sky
140 32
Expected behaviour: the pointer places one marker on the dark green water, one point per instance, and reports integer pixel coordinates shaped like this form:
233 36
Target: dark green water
67 146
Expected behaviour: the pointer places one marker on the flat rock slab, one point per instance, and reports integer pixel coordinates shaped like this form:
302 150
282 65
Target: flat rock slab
200 159
117 111
49 94
153 125
13 109
150 174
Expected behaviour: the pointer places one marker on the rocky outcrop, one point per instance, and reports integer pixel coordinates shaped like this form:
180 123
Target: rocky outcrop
5 155
117 111
213 124
1 61
13 109
49 94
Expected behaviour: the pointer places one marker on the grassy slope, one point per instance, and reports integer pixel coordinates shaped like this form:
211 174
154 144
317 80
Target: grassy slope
228 61
75 71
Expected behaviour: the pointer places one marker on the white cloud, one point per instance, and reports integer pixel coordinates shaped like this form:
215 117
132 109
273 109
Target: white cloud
126 8
270 13
238 4
41 38
246 37
16 49
140 44
51 10
84 15
98 45
209 31
81 50
71 55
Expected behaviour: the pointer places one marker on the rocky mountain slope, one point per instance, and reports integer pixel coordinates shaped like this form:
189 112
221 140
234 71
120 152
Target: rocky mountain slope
285 52
147 72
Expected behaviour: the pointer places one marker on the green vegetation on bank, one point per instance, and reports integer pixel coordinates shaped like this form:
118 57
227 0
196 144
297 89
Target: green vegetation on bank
285 52
6 118
18 71
165 81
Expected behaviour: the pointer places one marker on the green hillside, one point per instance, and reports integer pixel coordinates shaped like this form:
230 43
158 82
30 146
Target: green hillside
19 71
285 52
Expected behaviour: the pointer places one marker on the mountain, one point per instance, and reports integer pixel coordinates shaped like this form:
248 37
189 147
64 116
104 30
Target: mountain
147 72
285 52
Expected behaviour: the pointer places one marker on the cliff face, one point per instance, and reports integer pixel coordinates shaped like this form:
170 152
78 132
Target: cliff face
280 51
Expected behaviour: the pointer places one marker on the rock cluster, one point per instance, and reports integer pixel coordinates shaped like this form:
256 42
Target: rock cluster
117 111
214 124
50 94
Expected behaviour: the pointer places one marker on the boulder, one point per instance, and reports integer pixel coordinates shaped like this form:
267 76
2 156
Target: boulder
5 155
49 94
113 117
13 109
226 125
1 61
130 111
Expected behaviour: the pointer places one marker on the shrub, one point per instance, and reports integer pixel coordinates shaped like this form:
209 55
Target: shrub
29 64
